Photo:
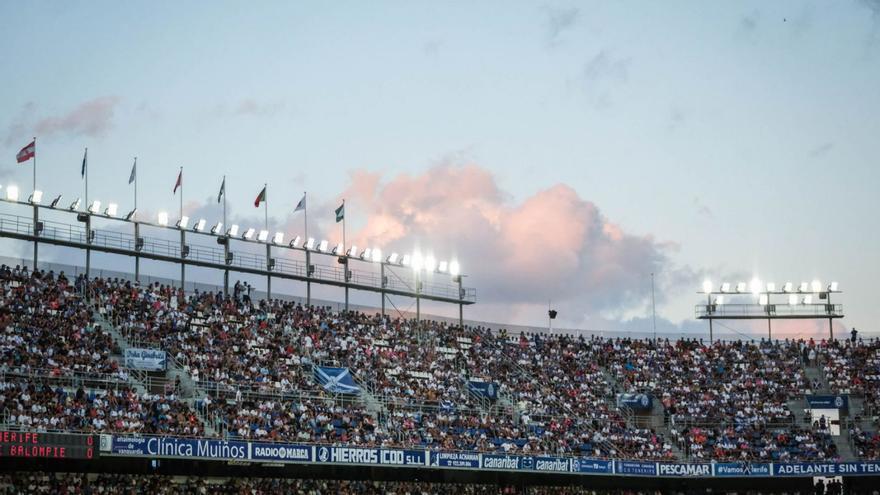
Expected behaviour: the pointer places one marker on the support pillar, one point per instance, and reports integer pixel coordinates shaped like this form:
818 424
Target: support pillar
36 236
268 269
182 260
137 259
308 279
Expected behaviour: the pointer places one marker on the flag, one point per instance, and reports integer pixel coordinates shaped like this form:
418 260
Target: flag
27 152
179 181
133 175
260 197
85 164
301 205
340 212
222 189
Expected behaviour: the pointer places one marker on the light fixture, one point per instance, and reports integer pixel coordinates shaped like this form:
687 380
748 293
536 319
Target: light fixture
741 287
771 287
95 207
55 201
322 247
392 259
808 299
763 299
337 250
792 299
788 287
163 218
12 193
130 215
310 243
352 251
804 287
454 269
249 233
233 231
278 238
833 287
263 235
75 205
217 228
200 225
35 197
725 287
295 242
719 300
443 267
707 286
366 254
430 264
755 286
377 255
405 261
111 210
417 261
816 286
183 222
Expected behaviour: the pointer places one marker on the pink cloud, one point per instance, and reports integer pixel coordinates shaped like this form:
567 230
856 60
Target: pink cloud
92 118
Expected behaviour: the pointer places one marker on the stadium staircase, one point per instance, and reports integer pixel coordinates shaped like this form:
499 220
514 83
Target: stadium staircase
143 382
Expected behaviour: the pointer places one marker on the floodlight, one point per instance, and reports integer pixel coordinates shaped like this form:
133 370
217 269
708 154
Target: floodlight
833 287
804 287
249 233
183 222
763 300
405 261
111 210
200 225
352 251
417 261
755 286
816 286
322 247
95 207
707 286
454 269
719 300
771 287
377 255
296 242
392 259
35 197
430 264
792 299
741 287
808 299
233 231
725 287
163 218
12 193
218 227
263 235
75 205
55 201
443 267
788 287
338 249
310 244
278 238
366 254
130 215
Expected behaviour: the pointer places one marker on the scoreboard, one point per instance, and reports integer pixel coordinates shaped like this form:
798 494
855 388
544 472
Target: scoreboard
37 445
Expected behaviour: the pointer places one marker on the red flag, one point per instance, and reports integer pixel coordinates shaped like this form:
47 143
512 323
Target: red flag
179 182
260 198
27 152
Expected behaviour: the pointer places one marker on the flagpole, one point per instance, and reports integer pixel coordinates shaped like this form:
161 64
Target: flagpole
35 163
266 203
308 256
182 238
86 159
345 266
223 185
36 210
268 243
135 184
306 217
181 194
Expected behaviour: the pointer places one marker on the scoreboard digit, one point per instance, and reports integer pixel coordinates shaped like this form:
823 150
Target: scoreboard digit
37 445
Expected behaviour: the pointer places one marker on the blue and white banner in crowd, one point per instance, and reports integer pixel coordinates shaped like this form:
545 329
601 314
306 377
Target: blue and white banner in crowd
488 390
235 450
742 469
636 402
336 380
828 402
145 359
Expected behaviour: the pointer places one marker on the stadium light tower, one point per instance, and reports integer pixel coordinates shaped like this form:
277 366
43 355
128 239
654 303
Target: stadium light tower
764 301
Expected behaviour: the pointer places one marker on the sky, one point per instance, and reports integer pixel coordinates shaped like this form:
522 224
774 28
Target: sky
561 151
